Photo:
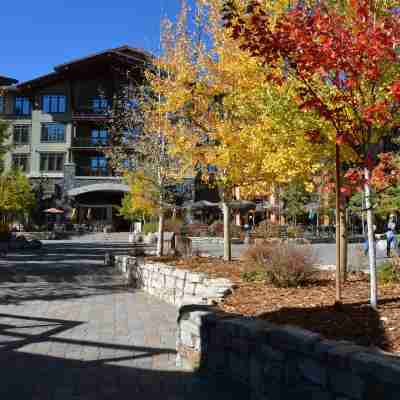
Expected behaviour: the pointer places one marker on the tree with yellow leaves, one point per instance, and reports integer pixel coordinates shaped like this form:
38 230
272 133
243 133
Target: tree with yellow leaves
139 151
16 195
223 112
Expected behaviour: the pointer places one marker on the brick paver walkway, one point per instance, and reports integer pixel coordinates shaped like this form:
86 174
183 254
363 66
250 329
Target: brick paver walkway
71 329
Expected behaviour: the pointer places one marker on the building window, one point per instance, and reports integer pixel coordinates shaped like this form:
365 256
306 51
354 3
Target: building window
131 135
99 137
54 104
53 133
98 166
2 105
22 106
21 134
99 104
129 164
52 162
21 161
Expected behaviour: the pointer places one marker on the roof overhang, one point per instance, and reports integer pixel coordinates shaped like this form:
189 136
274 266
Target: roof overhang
6 81
99 187
124 55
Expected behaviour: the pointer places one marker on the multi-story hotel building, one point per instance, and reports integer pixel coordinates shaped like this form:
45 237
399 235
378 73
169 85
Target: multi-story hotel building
57 126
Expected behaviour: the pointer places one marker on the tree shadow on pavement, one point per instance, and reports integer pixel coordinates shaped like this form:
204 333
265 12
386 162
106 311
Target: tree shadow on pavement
113 371
60 271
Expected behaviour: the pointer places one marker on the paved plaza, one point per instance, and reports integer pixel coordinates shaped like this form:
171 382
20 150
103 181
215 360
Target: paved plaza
71 329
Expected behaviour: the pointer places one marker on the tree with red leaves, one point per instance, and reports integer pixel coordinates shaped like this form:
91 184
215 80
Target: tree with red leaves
346 62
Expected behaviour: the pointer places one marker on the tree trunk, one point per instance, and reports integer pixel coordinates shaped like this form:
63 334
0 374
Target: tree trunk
160 238
338 298
343 243
227 232
362 214
371 241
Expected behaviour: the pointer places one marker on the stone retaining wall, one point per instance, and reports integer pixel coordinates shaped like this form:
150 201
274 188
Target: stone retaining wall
212 240
173 285
283 362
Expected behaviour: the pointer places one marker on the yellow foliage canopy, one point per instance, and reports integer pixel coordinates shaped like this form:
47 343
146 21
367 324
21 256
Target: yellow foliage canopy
223 112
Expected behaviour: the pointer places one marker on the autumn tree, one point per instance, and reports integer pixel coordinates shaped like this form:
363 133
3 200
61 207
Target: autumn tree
138 150
133 206
224 113
16 195
345 60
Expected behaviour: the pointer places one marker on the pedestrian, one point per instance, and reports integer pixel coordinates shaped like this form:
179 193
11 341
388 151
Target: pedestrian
391 240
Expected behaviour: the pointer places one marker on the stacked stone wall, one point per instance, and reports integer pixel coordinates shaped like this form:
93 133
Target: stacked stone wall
283 362
173 285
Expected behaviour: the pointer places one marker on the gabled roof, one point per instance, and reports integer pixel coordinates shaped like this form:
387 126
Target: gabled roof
131 53
125 54
48 78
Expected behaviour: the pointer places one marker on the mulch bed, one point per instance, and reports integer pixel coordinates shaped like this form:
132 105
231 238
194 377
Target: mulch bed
312 307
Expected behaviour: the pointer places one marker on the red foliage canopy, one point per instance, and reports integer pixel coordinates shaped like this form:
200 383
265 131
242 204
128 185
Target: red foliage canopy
351 53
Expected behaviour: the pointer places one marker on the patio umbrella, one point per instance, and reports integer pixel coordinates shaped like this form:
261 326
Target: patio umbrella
54 211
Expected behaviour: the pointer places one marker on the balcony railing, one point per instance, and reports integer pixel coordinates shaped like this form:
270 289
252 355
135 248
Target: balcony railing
90 114
89 142
89 171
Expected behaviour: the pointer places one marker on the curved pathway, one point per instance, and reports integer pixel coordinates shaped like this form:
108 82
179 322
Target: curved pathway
71 329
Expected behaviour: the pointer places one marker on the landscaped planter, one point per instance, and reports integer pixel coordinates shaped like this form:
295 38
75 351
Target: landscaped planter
274 361
283 362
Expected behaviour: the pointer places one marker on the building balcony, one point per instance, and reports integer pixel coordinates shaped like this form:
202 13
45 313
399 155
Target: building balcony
94 172
90 114
89 143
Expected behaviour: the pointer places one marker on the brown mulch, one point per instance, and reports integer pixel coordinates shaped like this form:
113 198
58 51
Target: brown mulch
312 307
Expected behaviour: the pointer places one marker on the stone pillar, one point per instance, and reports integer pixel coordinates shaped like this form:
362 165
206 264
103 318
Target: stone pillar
69 177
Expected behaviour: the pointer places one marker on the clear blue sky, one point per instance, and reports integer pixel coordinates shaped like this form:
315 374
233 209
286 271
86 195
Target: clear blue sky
37 35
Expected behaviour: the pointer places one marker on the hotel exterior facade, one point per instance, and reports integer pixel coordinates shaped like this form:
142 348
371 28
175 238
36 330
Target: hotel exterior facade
58 125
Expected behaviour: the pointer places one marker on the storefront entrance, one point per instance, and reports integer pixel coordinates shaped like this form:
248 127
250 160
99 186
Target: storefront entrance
99 209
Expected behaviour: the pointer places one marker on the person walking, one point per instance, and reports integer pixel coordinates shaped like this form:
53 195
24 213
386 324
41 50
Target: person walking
391 240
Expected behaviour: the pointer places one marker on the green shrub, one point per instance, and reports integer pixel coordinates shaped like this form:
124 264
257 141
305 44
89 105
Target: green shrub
284 265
